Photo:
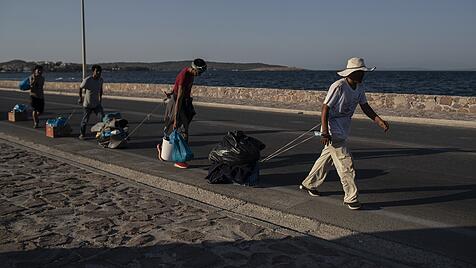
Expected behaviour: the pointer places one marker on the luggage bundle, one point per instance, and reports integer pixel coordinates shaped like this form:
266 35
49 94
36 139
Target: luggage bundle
58 127
235 160
20 108
19 112
112 132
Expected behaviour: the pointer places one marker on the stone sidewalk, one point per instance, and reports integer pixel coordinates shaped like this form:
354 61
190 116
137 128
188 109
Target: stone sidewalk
53 214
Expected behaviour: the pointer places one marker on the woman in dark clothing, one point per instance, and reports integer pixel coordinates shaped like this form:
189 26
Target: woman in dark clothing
37 101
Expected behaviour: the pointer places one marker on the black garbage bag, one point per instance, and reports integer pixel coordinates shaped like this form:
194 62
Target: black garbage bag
237 149
221 173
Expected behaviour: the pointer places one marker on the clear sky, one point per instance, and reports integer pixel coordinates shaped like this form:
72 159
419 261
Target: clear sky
389 34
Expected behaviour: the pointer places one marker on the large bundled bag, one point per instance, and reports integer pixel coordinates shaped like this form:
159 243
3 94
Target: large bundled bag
112 139
113 133
24 84
235 160
220 173
181 150
237 149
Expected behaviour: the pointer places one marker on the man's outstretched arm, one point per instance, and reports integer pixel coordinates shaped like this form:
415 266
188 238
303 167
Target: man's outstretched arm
368 111
325 137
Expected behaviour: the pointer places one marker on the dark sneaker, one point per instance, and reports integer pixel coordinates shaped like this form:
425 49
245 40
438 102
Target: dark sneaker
36 125
181 165
81 137
353 205
311 192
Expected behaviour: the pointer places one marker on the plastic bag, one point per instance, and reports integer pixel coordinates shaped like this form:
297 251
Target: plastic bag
24 84
181 152
109 116
57 122
98 127
236 149
20 108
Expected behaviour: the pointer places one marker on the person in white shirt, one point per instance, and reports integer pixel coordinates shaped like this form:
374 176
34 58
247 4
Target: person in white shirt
337 110
92 101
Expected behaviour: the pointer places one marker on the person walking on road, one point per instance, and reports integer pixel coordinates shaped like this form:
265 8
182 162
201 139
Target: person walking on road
180 111
337 110
92 99
37 99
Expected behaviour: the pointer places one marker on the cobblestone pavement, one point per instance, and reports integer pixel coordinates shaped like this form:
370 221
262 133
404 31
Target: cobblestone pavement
54 214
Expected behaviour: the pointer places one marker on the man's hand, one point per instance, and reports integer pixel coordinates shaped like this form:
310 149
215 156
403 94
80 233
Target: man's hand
382 123
326 139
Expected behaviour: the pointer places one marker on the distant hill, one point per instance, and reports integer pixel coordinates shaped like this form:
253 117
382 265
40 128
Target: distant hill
23 66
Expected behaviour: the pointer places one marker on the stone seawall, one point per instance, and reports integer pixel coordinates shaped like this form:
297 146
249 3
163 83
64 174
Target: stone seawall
412 105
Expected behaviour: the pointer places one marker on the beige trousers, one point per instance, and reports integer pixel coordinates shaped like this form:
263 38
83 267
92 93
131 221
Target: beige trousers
338 154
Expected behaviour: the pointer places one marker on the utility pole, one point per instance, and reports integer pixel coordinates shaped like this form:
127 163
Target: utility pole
83 39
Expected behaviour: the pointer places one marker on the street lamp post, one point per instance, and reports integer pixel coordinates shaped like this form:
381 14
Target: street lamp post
83 39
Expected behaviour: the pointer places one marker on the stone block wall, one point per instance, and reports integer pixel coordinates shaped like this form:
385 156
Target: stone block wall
390 103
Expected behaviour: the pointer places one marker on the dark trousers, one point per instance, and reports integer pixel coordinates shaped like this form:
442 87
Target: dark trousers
86 113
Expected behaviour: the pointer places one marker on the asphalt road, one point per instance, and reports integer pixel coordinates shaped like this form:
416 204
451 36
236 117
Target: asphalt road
416 182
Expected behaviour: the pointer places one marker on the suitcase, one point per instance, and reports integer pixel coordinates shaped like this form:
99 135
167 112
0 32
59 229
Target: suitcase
17 116
55 132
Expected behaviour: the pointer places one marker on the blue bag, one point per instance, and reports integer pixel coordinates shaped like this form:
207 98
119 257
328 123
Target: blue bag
106 133
24 84
109 116
181 152
19 108
57 122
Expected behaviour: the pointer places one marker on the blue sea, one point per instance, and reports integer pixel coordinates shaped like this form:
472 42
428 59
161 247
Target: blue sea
456 83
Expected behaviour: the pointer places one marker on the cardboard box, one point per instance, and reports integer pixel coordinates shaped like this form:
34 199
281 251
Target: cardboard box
16 116
55 132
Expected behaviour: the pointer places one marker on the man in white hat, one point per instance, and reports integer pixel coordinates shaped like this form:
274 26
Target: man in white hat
337 110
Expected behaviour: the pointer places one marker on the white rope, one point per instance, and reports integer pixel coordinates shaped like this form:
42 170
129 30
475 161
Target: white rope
70 115
277 152
289 145
295 145
147 117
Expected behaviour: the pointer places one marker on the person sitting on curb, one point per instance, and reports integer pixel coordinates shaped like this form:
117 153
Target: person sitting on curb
179 111
92 99
337 110
37 99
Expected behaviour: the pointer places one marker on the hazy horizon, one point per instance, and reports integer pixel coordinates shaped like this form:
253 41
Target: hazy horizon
314 35
304 69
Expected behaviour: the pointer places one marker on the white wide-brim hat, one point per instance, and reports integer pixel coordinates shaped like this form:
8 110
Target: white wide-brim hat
355 64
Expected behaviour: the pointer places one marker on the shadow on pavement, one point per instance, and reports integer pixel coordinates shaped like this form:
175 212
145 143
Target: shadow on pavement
464 192
453 242
248 133
284 179
302 251
399 152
